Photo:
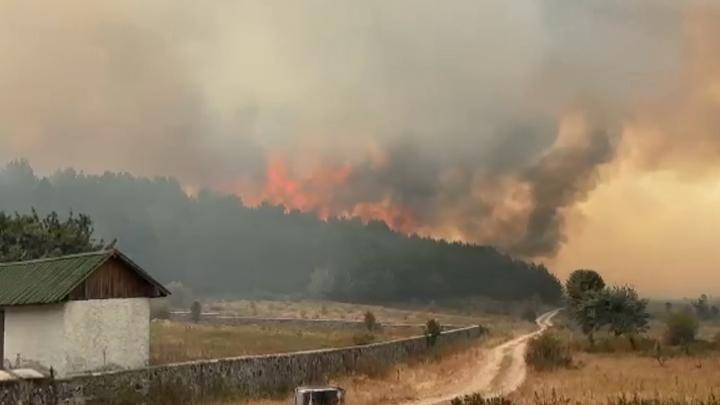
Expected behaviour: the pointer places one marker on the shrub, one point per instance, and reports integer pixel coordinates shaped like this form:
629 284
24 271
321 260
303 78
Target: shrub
547 352
370 321
615 344
195 311
432 331
681 328
360 339
477 399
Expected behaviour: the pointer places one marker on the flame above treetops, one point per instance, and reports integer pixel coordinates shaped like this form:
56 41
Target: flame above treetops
325 191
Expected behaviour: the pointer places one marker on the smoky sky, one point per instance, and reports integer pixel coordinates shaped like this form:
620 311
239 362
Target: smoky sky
485 121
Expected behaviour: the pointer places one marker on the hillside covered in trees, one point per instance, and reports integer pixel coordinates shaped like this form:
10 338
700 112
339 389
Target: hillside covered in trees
216 245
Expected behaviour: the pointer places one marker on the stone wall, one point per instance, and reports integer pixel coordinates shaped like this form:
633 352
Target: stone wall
241 376
32 392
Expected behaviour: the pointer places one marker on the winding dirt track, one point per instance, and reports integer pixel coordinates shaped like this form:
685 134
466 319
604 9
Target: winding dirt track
502 373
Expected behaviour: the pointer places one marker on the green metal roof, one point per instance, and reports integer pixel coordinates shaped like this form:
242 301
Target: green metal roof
48 281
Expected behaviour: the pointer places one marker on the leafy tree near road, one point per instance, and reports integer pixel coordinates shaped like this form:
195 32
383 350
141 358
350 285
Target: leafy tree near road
581 282
626 312
585 301
29 236
594 307
589 313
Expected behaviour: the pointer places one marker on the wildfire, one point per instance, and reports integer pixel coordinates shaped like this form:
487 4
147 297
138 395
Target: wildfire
324 191
396 217
313 193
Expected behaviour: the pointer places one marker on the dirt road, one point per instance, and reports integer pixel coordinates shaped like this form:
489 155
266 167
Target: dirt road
502 372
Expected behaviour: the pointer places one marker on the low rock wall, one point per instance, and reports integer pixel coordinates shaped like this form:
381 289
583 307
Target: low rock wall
250 376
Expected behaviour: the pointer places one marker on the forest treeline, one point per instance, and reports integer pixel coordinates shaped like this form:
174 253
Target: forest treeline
216 245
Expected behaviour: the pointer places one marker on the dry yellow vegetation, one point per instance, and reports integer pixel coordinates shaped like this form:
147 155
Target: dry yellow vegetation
315 309
176 341
599 378
312 309
610 370
445 370
172 342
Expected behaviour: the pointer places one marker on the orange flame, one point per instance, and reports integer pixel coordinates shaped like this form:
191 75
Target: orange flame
314 193
319 192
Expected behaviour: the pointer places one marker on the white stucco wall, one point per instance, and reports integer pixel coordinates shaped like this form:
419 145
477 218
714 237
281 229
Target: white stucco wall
80 336
37 335
106 334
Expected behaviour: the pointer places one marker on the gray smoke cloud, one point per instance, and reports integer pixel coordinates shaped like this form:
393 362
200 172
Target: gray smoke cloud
483 121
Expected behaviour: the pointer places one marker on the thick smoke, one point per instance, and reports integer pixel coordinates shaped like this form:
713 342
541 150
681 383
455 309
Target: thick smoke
482 121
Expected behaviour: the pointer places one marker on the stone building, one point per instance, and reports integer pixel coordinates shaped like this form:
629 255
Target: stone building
76 314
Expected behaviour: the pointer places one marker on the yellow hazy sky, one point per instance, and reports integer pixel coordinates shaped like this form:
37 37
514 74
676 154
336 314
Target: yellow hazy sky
658 230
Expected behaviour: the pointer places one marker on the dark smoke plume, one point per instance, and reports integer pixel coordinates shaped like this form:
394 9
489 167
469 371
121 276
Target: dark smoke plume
465 120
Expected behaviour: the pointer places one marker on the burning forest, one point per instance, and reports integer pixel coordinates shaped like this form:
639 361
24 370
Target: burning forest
493 123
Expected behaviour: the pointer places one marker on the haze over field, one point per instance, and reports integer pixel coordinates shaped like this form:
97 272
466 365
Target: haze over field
583 134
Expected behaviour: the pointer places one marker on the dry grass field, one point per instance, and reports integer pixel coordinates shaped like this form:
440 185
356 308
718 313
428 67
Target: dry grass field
602 378
444 371
310 309
612 371
622 377
313 309
172 342
176 342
